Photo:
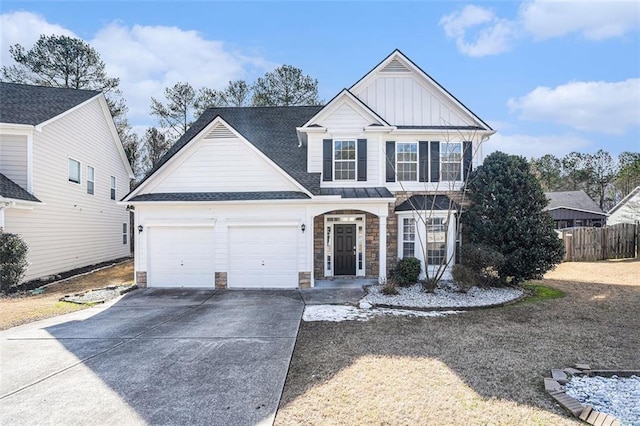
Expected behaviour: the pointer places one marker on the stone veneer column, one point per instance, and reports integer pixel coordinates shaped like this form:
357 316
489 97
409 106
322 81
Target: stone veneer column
221 280
141 279
382 273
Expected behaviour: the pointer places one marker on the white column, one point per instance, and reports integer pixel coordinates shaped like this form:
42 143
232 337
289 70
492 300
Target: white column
383 248
30 163
1 218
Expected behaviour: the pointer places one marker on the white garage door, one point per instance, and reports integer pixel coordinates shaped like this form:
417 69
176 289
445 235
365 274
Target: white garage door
180 256
263 257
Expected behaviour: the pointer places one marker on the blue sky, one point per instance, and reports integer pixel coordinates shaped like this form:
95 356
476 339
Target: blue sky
551 77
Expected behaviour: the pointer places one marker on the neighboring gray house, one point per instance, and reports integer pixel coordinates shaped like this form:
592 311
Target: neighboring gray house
62 170
574 208
627 210
285 196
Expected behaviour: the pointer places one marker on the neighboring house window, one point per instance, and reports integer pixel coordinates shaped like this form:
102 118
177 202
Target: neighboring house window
74 171
436 240
451 161
113 187
408 237
344 156
91 179
407 161
125 233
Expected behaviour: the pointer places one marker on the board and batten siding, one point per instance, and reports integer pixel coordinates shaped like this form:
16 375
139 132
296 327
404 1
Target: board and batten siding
13 158
215 166
73 229
403 101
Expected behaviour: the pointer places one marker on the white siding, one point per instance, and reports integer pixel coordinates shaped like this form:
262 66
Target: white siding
72 228
345 117
402 100
222 166
629 212
13 158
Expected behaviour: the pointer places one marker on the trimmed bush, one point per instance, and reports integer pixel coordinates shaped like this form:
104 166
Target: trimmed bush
13 261
480 266
407 271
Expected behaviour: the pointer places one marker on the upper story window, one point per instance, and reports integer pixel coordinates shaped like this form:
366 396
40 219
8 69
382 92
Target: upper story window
407 161
113 187
91 179
74 171
344 159
451 161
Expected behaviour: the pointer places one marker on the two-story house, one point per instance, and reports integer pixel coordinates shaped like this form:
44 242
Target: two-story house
62 172
286 196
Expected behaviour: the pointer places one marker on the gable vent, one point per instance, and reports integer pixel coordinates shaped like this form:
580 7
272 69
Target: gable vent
395 66
220 132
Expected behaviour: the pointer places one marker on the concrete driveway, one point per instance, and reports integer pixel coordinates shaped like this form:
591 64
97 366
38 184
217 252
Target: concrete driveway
154 357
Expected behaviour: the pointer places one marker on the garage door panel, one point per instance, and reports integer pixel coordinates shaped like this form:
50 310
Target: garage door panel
181 256
263 257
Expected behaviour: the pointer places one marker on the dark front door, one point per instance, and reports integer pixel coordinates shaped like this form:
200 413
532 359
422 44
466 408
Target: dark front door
344 249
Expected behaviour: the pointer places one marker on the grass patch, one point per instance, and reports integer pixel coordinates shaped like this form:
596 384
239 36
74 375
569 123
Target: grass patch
539 292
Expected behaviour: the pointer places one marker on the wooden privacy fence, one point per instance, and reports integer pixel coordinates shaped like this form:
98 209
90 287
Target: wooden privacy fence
609 242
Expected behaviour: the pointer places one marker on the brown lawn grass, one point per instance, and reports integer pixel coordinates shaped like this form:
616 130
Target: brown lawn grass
480 367
22 309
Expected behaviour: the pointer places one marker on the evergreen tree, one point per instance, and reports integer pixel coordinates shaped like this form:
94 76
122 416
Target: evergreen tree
506 215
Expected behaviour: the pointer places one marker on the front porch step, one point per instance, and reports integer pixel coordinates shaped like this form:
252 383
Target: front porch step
346 282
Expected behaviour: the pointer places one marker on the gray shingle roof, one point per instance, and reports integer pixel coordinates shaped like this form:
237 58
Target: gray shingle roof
221 196
271 129
25 104
358 192
576 200
10 189
427 202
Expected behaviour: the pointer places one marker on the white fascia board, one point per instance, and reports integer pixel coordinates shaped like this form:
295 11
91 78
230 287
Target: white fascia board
396 54
442 131
67 112
578 210
19 204
311 129
360 107
114 134
211 203
16 129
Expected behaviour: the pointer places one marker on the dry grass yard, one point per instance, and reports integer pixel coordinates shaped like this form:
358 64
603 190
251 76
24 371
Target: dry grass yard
21 309
480 367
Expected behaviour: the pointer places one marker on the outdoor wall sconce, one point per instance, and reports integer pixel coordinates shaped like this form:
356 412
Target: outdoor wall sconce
302 228
140 228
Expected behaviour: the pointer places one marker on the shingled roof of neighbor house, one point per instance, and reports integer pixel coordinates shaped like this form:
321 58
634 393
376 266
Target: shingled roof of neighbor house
11 190
221 196
270 129
26 104
574 200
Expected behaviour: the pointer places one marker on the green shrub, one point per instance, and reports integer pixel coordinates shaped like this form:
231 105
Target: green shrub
13 261
407 271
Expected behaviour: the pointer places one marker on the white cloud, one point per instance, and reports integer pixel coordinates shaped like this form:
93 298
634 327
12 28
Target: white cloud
541 20
535 146
599 106
149 58
145 58
24 28
595 20
494 35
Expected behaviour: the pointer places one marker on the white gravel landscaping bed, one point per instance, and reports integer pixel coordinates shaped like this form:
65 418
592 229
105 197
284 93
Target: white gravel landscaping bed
617 396
444 297
337 313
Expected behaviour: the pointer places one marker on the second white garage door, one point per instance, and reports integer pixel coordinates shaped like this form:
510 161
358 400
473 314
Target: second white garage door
180 256
263 257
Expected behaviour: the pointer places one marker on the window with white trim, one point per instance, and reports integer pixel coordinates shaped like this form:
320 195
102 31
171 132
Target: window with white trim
91 180
113 187
125 233
407 161
344 159
451 161
74 171
436 240
408 237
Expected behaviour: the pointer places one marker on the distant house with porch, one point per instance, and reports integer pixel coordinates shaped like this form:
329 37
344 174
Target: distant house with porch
574 208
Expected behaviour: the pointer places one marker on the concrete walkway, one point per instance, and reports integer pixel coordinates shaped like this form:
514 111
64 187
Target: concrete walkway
153 357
